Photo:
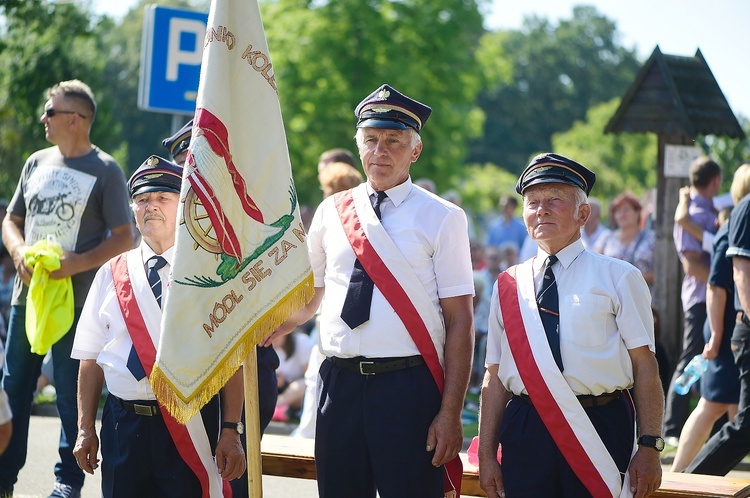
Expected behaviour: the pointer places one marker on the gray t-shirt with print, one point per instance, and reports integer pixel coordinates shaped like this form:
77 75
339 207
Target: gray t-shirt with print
75 200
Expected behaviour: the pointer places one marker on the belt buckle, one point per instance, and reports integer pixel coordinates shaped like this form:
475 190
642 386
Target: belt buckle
144 410
361 367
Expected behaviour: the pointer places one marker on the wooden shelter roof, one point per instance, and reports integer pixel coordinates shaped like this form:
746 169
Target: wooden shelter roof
675 95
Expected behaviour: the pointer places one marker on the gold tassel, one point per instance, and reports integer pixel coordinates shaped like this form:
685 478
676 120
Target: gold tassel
183 409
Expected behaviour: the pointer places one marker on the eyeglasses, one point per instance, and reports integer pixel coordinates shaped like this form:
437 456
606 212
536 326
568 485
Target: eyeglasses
51 111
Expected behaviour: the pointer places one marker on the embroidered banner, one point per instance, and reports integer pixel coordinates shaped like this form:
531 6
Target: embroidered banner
241 265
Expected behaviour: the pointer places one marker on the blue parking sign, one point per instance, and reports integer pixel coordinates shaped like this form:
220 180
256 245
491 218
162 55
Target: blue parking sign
171 53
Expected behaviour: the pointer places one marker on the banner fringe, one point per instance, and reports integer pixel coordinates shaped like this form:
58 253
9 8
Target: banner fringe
182 409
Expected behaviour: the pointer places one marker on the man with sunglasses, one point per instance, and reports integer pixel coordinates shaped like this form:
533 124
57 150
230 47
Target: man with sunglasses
75 193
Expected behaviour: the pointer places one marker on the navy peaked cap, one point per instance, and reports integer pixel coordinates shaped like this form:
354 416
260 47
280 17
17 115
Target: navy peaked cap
554 168
156 174
180 141
388 108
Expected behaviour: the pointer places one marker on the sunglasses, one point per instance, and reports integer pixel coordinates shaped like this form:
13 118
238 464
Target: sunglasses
51 111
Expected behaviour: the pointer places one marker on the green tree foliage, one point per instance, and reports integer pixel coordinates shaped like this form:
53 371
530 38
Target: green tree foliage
328 56
556 74
622 161
43 43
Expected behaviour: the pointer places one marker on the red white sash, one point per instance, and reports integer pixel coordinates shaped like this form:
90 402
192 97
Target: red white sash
551 395
187 438
410 311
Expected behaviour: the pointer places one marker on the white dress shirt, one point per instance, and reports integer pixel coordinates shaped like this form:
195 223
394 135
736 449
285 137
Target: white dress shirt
605 309
103 335
430 233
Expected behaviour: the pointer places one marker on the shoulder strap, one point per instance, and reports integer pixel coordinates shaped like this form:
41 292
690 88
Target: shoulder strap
146 351
402 305
543 399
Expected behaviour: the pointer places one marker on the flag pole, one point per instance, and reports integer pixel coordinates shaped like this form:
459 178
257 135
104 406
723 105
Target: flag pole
252 425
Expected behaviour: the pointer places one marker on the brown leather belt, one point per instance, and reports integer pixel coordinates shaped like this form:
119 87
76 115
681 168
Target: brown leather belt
742 318
588 400
145 408
373 366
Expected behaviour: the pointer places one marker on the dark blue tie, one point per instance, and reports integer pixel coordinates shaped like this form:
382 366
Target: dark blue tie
154 264
356 310
549 309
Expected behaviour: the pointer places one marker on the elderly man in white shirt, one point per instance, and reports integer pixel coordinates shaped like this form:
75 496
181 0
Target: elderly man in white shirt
570 336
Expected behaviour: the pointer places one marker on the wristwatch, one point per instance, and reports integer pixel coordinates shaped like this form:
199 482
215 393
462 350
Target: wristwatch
240 427
654 442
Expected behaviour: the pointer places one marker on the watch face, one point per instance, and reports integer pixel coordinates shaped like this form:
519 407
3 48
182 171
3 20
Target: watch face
659 443
654 442
241 430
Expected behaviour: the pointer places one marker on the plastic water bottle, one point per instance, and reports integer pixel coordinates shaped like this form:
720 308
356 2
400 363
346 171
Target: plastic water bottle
691 374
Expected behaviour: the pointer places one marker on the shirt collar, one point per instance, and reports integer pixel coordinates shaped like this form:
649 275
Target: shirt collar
397 194
147 253
704 202
566 255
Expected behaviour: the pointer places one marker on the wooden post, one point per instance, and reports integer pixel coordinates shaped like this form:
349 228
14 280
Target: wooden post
252 425
667 267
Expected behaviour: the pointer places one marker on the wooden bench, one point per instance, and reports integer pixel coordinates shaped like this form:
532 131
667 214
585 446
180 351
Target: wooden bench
286 456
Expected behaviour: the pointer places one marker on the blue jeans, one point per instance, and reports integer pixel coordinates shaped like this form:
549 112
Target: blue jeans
22 368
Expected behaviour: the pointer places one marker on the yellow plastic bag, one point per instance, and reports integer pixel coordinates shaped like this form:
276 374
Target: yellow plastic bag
50 309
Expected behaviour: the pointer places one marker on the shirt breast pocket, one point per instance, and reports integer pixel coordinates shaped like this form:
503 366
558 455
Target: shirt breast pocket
585 319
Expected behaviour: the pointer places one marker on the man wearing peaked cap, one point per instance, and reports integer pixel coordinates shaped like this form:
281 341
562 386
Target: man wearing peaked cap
178 144
554 168
388 108
116 342
570 337
154 175
389 342
268 360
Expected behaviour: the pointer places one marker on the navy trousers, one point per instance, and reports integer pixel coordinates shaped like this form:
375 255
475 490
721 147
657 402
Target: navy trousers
371 433
140 459
532 464
729 446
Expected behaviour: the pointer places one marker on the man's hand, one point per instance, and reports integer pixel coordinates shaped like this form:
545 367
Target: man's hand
230 459
86 448
68 266
645 472
282 330
491 478
444 437
19 261
6 431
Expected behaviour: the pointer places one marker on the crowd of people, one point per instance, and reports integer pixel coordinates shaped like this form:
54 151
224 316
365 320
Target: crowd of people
548 315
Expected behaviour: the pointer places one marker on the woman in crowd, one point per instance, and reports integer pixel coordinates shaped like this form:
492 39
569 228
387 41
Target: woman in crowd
628 241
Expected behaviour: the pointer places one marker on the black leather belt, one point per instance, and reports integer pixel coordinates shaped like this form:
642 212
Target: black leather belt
145 408
588 400
742 318
372 366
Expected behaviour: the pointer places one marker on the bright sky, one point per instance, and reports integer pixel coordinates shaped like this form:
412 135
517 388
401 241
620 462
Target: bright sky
718 28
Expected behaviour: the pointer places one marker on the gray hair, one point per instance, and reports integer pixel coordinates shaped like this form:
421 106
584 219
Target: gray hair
414 137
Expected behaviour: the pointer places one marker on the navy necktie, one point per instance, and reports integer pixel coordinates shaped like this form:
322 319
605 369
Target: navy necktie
154 264
356 310
549 309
